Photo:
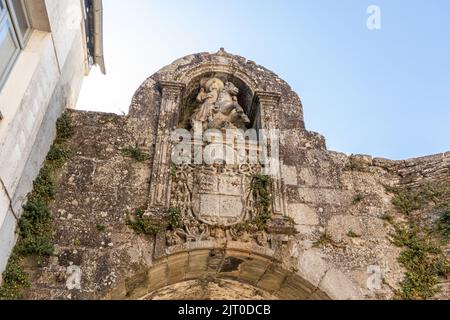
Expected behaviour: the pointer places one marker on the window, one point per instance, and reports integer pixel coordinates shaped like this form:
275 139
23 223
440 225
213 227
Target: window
19 17
14 32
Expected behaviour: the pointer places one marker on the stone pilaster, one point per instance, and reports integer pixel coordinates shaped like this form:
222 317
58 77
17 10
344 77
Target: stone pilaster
168 120
269 110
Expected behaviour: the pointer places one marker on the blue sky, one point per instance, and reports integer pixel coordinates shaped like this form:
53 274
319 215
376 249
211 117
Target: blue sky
384 93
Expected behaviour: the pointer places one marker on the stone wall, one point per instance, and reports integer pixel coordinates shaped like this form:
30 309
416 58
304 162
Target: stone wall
338 202
45 80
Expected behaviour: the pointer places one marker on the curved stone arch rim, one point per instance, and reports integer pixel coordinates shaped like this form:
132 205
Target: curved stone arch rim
189 75
242 265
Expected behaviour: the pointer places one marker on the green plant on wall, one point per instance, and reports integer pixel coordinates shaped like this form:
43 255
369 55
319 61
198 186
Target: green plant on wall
260 187
136 154
443 224
175 218
36 223
151 225
146 225
422 256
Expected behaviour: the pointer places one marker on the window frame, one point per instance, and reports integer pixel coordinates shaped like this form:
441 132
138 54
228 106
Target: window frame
5 19
22 38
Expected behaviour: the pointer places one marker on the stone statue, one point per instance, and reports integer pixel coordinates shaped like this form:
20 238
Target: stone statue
208 96
219 107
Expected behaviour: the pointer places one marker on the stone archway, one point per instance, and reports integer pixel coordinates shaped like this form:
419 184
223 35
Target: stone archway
218 240
218 273
210 289
319 242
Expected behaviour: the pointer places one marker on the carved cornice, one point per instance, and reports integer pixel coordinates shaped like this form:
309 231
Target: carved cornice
172 87
188 76
268 97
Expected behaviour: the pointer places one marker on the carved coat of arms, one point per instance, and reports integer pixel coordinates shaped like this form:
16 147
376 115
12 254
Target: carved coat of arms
220 199
215 195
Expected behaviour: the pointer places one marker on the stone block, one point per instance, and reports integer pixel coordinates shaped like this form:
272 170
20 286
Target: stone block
303 214
272 279
157 277
339 287
137 286
198 264
311 266
295 288
289 175
253 270
118 293
177 265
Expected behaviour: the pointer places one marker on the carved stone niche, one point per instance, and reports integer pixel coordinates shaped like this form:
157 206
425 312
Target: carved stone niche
215 202
219 101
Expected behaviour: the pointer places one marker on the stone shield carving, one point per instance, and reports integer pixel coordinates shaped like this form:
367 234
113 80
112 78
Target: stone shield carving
217 195
220 199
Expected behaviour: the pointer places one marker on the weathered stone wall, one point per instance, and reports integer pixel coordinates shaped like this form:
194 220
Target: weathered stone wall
45 80
337 202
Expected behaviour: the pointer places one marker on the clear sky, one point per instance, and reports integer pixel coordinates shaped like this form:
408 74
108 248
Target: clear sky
381 92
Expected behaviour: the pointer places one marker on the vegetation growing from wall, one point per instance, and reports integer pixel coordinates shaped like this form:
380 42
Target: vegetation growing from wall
136 154
175 218
151 226
443 224
36 223
324 240
146 225
260 187
421 231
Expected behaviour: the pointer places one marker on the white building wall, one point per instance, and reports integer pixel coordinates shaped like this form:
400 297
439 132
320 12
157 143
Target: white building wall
45 80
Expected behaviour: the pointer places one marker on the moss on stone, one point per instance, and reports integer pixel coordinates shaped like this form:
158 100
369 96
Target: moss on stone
424 262
358 198
44 185
146 225
136 154
100 227
149 225
260 187
388 218
15 280
175 218
64 128
58 155
36 223
443 224
409 199
324 240
35 228
352 234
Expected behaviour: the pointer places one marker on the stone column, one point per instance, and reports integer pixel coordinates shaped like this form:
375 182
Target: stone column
268 103
168 121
